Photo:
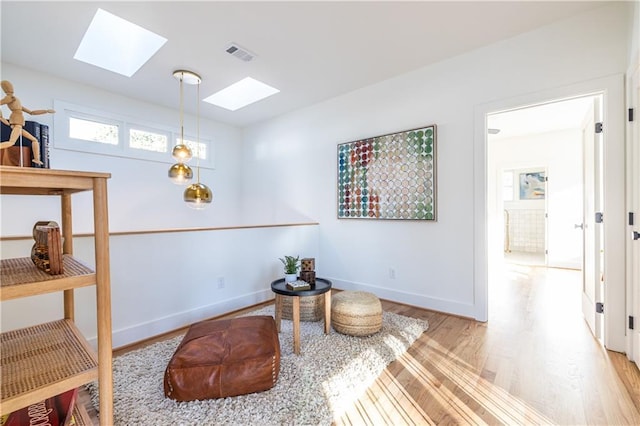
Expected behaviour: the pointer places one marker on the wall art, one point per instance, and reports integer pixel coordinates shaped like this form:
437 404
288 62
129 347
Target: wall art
389 177
532 186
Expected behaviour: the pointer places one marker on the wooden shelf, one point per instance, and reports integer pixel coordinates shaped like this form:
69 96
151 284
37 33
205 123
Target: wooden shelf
21 278
32 181
81 416
48 359
44 360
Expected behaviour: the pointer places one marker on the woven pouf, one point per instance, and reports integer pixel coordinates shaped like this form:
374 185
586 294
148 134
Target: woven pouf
356 313
311 308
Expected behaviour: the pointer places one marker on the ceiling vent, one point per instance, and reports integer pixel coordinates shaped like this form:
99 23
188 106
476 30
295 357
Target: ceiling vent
240 52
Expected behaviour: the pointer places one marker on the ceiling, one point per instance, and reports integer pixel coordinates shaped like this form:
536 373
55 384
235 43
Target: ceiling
535 119
311 51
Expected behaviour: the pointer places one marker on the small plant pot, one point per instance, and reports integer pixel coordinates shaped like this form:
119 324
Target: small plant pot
289 278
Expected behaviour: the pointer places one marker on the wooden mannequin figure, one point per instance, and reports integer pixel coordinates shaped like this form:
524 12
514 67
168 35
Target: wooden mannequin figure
16 121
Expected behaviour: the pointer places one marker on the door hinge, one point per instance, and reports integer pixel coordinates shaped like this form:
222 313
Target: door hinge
630 114
599 127
600 308
631 218
630 322
599 217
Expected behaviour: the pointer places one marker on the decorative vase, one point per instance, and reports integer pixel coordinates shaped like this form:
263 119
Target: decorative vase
289 278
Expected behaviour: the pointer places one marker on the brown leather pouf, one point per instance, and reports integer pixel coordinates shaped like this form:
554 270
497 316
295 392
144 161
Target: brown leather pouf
221 358
356 313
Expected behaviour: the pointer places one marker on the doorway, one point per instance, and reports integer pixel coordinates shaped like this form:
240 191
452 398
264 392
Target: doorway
615 227
543 175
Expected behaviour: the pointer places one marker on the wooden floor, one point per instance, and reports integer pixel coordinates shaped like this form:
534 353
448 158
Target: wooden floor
533 362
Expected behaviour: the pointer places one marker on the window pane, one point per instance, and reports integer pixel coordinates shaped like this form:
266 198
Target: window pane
149 141
93 131
507 186
202 153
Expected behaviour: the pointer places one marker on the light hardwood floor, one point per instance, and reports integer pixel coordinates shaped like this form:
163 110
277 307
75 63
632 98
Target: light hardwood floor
533 362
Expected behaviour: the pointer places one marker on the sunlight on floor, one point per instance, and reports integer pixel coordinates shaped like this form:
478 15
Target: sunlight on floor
464 385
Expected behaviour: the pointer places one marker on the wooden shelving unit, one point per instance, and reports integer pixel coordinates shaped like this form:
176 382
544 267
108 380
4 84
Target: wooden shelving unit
47 359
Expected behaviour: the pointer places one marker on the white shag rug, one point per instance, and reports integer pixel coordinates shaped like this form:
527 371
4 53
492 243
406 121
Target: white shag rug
330 373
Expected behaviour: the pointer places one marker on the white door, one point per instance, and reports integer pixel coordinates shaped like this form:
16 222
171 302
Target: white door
592 230
635 208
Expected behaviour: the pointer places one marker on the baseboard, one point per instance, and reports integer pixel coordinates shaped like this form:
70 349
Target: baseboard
139 332
408 298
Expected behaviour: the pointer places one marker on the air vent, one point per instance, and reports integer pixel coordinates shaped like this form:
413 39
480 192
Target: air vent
240 52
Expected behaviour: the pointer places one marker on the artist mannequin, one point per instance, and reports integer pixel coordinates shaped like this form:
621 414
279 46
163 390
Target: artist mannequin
16 121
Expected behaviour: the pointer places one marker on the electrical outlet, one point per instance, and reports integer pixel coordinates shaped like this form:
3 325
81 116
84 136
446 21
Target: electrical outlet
220 282
392 273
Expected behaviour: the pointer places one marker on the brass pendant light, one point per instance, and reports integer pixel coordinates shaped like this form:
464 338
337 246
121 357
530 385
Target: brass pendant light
197 195
180 173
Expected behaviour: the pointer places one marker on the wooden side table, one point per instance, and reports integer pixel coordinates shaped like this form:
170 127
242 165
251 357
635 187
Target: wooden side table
322 286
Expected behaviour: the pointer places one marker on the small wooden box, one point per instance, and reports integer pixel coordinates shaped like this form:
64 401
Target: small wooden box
308 264
11 156
46 253
308 276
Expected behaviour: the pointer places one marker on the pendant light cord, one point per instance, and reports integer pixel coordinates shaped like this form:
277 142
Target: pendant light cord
198 133
181 109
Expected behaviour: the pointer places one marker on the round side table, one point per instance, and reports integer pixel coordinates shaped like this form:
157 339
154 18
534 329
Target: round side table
322 286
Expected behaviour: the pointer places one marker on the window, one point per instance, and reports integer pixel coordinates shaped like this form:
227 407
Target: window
83 129
148 141
93 131
196 150
507 186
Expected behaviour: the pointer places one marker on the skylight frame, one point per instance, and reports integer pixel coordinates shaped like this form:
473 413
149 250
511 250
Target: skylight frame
115 44
241 93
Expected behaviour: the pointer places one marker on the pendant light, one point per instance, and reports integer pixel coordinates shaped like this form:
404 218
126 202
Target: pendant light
198 195
180 173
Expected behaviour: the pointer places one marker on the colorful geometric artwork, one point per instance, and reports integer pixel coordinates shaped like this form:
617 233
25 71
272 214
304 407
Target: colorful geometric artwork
389 177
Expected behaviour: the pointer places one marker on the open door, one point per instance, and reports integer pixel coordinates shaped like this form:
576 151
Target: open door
592 294
635 227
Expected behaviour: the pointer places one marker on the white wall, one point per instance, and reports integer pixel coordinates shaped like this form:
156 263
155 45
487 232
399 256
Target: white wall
434 262
160 281
138 190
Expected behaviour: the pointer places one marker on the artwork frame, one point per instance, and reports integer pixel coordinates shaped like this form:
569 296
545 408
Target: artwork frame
389 177
532 185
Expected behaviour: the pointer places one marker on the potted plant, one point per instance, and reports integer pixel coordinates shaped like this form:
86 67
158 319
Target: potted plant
291 266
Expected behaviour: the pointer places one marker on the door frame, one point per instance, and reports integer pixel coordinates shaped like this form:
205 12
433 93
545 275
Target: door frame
612 88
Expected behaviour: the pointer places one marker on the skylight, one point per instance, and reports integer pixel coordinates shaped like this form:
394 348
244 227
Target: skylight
241 94
117 45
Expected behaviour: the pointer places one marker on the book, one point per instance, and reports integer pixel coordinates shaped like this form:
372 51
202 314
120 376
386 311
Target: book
44 146
54 411
33 127
298 285
14 155
6 132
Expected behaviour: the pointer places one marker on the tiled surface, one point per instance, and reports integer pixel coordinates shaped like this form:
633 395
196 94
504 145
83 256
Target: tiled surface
526 231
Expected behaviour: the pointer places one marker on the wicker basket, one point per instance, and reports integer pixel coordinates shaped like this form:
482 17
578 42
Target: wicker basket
311 308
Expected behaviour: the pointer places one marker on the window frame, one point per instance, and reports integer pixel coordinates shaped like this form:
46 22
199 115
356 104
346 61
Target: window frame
62 140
